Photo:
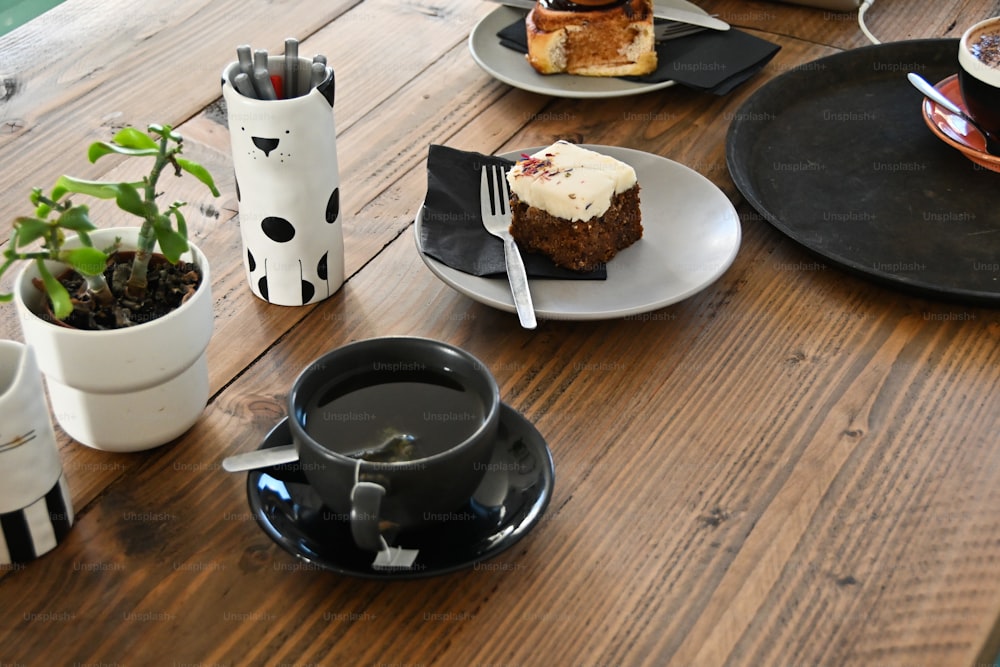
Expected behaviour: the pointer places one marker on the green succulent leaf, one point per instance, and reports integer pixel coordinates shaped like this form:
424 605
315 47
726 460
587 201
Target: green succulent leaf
130 200
29 230
84 238
98 189
62 306
172 244
130 137
77 219
198 172
87 261
181 222
99 149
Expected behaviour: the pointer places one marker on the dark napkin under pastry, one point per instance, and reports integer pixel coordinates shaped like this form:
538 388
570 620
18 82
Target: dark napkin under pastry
451 229
713 61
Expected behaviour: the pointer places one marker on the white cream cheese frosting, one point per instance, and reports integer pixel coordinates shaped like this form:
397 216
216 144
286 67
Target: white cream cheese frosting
570 182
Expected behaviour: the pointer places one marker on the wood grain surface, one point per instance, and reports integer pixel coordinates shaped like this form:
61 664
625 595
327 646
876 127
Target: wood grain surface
793 467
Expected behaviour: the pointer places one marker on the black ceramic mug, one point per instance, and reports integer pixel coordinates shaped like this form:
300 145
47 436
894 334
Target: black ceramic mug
394 433
979 73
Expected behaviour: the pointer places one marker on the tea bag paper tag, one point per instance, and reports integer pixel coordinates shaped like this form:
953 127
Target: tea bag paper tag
394 558
389 558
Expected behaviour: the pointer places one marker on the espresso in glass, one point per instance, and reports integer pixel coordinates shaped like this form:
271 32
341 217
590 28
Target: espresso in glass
979 73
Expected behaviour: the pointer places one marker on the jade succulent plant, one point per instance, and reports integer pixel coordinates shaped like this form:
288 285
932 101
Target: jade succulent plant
41 237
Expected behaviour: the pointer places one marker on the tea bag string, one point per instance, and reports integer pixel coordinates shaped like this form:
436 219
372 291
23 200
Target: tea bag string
385 545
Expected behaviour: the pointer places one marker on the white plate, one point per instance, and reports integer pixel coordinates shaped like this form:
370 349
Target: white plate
691 234
512 67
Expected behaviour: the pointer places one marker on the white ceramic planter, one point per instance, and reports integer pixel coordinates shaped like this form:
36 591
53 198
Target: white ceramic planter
35 503
129 389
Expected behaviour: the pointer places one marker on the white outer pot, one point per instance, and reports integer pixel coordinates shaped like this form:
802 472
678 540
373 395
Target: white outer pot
130 389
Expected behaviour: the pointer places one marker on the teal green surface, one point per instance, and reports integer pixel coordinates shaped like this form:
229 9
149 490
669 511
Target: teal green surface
17 12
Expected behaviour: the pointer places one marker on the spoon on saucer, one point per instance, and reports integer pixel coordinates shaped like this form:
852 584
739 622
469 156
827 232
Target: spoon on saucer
260 458
397 448
932 93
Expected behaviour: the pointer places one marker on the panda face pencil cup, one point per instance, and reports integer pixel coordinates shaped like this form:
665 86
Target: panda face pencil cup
287 180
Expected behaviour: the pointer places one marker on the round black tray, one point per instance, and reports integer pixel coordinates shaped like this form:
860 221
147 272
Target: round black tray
836 155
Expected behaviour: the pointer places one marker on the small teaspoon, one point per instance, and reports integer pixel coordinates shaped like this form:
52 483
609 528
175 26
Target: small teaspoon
282 454
260 458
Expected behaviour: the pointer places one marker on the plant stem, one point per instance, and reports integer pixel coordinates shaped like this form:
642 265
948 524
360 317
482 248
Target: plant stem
137 281
99 290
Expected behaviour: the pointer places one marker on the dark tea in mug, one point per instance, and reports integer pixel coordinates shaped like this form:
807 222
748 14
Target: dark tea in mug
979 73
395 416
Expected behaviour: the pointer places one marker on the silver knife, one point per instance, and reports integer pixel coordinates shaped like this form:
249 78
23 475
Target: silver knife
659 11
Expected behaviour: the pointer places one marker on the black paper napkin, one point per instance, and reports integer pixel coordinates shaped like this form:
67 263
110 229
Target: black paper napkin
452 229
711 61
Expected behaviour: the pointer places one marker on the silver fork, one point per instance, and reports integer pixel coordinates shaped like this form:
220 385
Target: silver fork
496 220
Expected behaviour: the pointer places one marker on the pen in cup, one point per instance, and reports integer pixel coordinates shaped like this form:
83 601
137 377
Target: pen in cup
245 57
318 72
291 83
262 76
244 85
317 75
262 82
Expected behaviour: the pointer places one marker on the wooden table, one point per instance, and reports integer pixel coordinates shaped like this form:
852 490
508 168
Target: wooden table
793 467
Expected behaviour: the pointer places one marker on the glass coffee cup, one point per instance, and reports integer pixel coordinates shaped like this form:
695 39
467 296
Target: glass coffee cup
979 73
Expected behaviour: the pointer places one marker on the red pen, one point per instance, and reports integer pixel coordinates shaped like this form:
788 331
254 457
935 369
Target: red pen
278 84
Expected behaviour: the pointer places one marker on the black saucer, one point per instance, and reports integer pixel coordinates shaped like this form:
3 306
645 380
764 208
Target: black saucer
508 503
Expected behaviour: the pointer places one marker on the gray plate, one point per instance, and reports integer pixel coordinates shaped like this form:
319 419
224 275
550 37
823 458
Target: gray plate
512 68
691 234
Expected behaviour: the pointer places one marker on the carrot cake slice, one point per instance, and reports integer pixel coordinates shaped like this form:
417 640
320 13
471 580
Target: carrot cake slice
577 206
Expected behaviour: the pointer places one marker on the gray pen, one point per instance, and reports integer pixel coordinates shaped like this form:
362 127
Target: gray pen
259 60
245 56
244 86
291 82
260 63
262 82
318 74
319 58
